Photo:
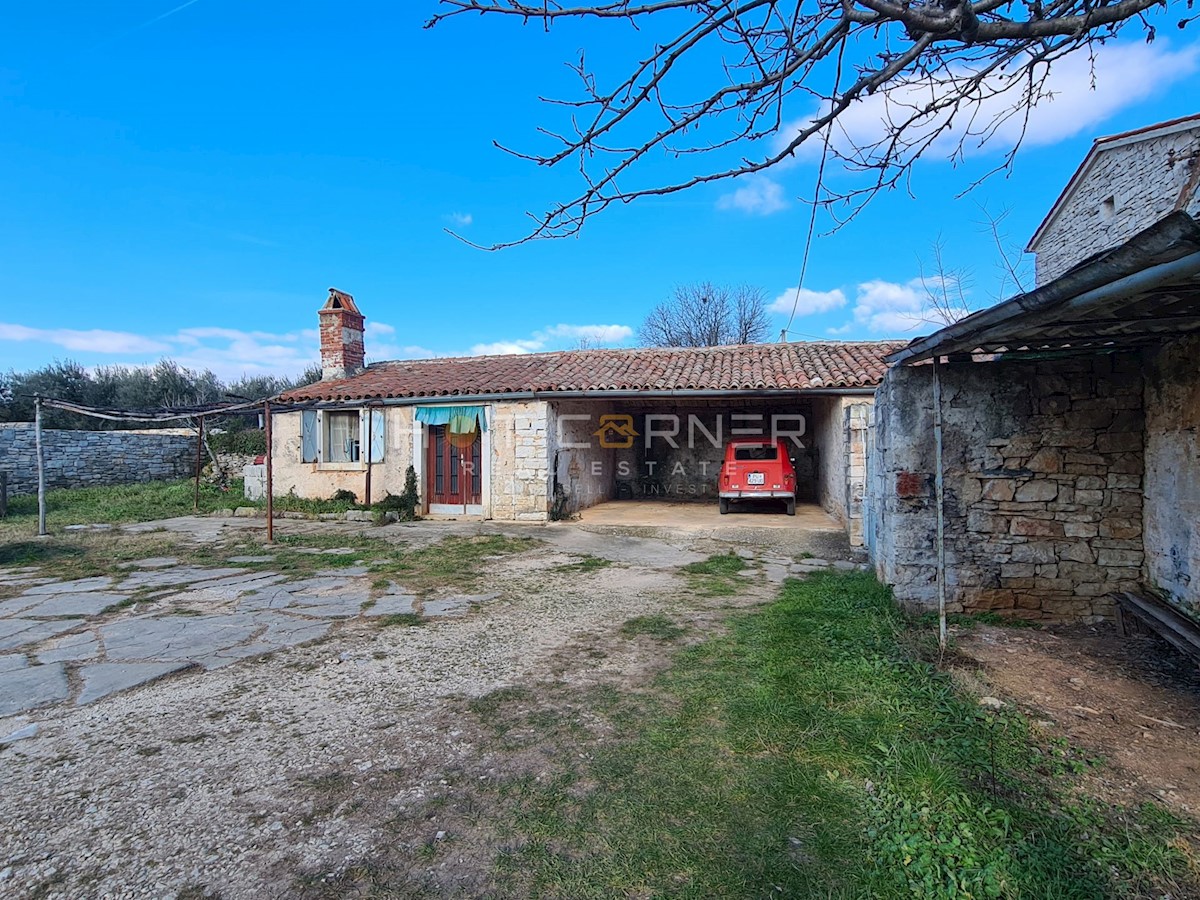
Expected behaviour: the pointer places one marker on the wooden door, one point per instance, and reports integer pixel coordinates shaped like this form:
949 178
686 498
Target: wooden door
454 468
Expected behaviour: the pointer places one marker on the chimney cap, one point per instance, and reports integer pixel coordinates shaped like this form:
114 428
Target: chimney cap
341 300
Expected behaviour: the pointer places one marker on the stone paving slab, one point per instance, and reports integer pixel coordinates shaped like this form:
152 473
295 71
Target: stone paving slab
102 679
153 562
72 648
175 637
251 559
79 585
91 603
31 687
11 661
21 632
178 575
391 605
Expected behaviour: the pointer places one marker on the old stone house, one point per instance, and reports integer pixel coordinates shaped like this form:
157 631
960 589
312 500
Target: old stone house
528 437
1062 425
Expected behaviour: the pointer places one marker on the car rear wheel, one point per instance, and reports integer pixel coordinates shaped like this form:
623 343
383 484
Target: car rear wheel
791 507
723 505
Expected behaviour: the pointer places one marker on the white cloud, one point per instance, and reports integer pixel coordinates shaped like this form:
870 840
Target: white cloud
1078 101
596 334
807 302
886 307
506 348
842 329
758 196
557 337
93 341
458 219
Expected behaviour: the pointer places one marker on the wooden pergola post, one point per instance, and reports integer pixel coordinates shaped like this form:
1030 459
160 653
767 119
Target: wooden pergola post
199 459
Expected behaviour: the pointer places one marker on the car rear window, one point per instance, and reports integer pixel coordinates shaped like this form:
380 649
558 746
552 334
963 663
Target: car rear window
755 453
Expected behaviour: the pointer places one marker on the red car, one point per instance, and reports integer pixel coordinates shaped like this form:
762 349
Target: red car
757 468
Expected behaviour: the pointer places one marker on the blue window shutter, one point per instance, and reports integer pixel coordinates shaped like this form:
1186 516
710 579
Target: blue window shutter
378 435
308 435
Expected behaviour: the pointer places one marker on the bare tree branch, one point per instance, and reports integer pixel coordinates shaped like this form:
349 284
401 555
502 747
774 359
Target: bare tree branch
945 72
708 315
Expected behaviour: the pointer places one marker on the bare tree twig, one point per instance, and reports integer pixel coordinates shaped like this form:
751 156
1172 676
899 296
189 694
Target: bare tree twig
945 75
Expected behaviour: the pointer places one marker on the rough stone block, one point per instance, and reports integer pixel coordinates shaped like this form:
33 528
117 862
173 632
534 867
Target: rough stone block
1031 527
1110 442
1034 553
1106 557
1038 491
1001 489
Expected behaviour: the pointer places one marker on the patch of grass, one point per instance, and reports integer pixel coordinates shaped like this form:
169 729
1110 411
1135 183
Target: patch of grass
114 504
983 617
586 564
457 562
722 564
813 751
408 620
656 626
716 576
487 706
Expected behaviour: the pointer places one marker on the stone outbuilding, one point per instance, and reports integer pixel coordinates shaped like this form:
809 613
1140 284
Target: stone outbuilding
536 436
1045 453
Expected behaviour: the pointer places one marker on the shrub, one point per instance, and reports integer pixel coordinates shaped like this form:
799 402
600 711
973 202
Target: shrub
406 504
344 496
250 441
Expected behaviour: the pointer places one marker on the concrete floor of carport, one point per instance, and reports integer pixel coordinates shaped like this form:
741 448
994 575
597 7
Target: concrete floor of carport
694 515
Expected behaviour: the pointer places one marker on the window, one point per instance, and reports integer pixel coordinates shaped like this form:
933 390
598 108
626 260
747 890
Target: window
1108 209
759 453
342 437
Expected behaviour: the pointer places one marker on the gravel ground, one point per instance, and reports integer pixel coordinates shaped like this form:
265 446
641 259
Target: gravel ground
242 782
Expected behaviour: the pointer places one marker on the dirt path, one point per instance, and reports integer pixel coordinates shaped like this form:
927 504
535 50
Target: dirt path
273 777
1133 701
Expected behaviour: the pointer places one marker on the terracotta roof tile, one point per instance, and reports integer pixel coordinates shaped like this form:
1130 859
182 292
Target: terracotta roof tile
745 367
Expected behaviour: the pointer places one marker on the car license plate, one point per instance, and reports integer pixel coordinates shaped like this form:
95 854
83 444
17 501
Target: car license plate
756 478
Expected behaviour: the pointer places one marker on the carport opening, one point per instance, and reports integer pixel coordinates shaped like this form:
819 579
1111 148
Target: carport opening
670 451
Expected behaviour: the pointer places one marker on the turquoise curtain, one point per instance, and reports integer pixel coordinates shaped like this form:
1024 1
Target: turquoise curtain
461 419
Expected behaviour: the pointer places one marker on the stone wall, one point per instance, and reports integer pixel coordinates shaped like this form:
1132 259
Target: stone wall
839 430
520 478
1128 187
93 458
1172 505
1043 470
587 475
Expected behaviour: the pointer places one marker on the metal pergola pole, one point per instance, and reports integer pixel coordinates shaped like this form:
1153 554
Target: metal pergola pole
41 464
270 480
940 492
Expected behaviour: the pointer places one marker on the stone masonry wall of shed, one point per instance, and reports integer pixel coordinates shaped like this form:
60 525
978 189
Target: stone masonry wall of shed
1043 470
1172 506
93 458
1143 181
839 430
521 487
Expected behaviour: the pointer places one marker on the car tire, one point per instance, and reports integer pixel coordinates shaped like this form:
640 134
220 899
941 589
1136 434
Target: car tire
723 505
791 507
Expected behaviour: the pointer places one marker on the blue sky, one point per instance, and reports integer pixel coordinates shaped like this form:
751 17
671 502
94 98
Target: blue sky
188 181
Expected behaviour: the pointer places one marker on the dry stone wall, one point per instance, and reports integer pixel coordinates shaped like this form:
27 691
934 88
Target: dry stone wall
93 458
1043 483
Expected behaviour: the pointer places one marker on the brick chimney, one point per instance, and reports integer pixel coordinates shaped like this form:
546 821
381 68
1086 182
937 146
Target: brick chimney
342 351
